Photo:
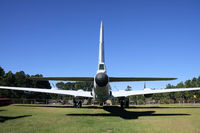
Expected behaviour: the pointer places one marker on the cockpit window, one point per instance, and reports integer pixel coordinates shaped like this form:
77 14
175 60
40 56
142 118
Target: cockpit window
101 67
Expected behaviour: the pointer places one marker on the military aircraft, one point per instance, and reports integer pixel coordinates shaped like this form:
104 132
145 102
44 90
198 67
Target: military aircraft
102 90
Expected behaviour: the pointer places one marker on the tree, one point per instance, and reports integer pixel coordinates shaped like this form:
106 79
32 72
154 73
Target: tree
40 83
87 86
60 85
9 79
2 74
198 81
194 82
20 79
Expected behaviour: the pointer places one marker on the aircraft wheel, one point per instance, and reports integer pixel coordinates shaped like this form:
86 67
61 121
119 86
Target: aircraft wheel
127 103
76 104
122 104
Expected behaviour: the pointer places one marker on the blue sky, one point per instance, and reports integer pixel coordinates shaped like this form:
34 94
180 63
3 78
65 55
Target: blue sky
142 38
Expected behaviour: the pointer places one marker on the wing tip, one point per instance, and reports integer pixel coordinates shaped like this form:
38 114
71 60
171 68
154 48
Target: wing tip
173 78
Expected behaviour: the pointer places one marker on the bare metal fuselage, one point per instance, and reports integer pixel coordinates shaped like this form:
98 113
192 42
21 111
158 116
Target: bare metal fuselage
101 94
101 90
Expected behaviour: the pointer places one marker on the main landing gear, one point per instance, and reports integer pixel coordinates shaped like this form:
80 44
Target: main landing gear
101 104
124 102
77 103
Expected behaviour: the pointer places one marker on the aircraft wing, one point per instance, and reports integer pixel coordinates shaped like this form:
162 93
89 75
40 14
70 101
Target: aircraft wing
123 93
126 79
78 93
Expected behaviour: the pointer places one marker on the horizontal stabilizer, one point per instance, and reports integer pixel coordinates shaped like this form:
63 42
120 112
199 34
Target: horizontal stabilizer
65 78
111 79
127 79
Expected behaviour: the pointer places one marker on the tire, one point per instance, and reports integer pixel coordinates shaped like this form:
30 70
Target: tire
127 104
79 104
122 103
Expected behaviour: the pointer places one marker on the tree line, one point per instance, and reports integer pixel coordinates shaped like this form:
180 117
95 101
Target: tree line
20 79
86 86
173 97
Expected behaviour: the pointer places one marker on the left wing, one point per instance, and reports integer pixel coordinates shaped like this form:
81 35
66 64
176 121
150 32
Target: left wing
78 93
123 93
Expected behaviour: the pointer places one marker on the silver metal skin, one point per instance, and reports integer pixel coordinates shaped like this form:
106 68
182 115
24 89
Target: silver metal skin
101 79
101 45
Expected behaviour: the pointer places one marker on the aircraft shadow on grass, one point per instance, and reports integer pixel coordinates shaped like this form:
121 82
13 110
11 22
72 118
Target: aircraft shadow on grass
119 112
5 118
157 107
100 107
52 106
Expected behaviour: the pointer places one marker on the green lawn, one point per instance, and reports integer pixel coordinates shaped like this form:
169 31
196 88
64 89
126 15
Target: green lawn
111 119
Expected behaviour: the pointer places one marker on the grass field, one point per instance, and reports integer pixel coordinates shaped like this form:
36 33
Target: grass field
110 119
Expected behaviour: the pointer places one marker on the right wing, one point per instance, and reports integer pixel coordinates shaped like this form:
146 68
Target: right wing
78 93
65 78
123 93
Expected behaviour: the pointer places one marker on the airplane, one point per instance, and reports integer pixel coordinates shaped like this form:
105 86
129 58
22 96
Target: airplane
102 90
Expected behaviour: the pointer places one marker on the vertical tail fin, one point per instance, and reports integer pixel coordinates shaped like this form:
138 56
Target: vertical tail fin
101 65
101 45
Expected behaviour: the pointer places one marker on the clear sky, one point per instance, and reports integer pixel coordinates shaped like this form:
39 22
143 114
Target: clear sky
143 38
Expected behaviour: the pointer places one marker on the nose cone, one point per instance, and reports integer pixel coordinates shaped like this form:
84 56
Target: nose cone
101 79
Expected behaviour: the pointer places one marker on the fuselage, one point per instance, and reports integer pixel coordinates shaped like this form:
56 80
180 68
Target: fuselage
101 86
101 91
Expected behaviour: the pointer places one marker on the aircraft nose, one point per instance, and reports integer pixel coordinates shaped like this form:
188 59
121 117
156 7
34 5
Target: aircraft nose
101 79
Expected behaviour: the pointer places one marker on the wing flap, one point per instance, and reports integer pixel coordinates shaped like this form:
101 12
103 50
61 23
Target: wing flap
123 93
78 93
